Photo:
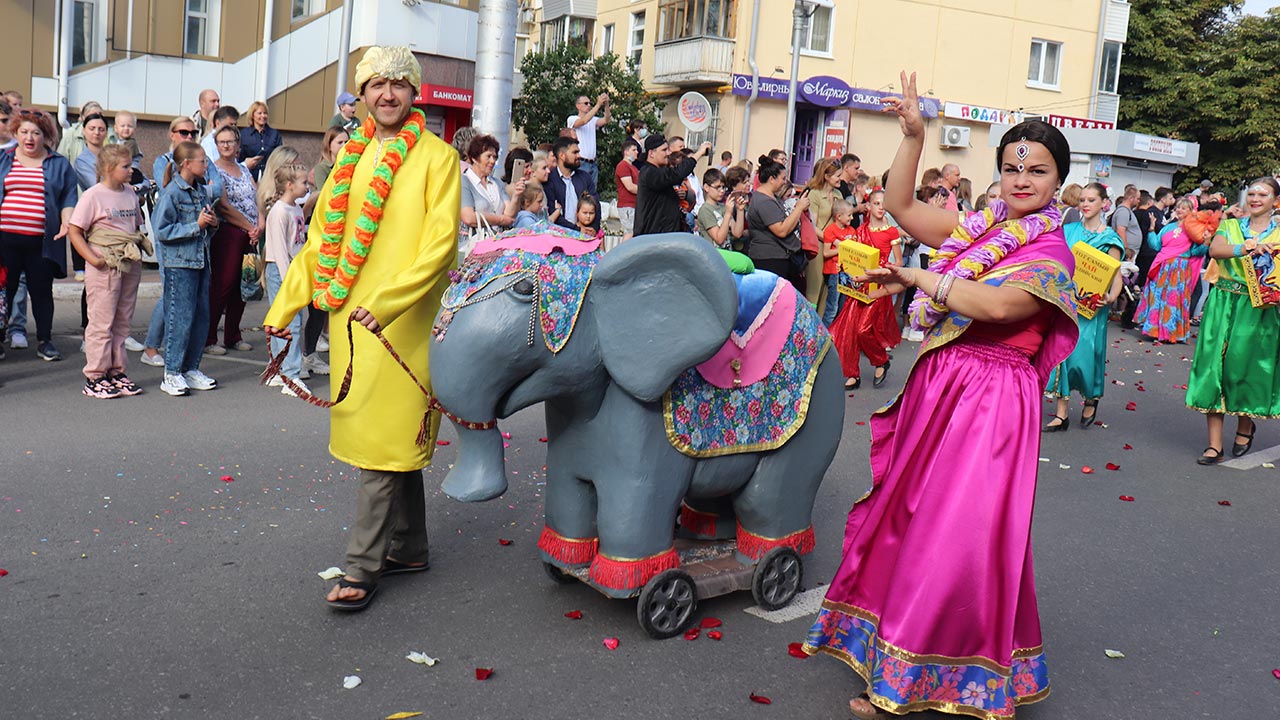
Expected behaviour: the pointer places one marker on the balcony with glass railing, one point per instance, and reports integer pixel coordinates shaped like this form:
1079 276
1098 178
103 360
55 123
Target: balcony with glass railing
695 42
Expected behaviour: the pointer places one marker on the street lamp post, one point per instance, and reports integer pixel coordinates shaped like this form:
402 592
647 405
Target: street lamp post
799 26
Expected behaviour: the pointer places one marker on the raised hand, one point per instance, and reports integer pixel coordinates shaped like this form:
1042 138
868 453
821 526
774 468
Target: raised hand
907 107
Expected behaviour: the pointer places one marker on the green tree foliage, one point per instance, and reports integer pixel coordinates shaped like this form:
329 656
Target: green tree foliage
555 78
1197 70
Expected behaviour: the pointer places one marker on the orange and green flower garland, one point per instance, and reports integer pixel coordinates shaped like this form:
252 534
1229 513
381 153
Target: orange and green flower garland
339 262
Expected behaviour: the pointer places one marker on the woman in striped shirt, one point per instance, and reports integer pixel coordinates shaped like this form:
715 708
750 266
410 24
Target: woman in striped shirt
37 195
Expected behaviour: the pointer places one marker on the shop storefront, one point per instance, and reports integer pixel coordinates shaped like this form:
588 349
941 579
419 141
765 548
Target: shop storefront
447 108
1117 158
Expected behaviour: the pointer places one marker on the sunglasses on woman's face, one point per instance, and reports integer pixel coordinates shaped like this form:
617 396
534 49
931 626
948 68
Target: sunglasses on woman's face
186 133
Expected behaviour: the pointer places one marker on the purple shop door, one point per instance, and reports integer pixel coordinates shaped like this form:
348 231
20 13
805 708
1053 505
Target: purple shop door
806 147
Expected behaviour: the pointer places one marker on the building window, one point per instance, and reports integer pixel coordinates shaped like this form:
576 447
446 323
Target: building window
1109 78
567 29
1042 71
818 38
84 32
303 9
200 31
635 39
683 19
606 39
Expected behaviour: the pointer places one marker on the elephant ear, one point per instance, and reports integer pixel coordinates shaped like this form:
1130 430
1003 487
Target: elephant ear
661 304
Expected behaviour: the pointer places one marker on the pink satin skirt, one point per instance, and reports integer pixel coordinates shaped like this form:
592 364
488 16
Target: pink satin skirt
934 603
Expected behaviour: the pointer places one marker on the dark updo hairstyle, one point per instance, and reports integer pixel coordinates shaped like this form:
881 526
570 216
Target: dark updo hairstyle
1040 132
1096 187
769 169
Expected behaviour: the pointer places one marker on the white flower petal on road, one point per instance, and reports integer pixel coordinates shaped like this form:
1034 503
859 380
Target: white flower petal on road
1268 465
332 573
351 682
1063 467
1113 654
1044 459
421 658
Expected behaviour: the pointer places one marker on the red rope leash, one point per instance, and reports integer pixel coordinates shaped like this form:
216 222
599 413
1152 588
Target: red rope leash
424 430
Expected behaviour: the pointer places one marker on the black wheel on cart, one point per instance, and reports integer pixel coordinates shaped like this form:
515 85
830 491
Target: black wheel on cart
560 576
666 604
777 578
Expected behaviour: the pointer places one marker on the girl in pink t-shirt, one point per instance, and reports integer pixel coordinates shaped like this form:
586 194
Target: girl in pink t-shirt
104 230
286 234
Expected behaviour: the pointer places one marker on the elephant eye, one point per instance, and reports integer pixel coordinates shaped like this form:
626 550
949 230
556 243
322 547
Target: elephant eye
523 287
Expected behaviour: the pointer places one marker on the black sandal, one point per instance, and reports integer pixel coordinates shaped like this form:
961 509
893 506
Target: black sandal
1066 423
1239 449
875 714
1206 459
1085 422
395 567
879 378
354 605
857 383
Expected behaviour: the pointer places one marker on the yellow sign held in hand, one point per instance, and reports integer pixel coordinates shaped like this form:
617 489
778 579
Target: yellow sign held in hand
855 260
1095 271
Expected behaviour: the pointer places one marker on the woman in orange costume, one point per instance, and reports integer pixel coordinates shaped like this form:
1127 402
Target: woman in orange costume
871 330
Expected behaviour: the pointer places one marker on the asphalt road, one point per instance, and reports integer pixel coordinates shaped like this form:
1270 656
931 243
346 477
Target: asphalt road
142 585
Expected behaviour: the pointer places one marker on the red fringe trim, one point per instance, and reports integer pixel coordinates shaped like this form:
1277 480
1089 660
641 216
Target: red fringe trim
697 522
631 574
755 546
570 551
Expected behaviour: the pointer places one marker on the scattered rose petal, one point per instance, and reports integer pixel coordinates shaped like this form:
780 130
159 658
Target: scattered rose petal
760 699
332 573
1063 467
574 614
504 542
351 682
1127 446
611 643
442 443
506 435
542 439
715 634
228 478
1118 382
421 658
692 633
3 572
1138 372
403 715
1113 654
1268 465
1086 470
1276 673
1127 498
710 622
1131 406
1113 466
1224 503
795 650
484 673
1044 459
860 422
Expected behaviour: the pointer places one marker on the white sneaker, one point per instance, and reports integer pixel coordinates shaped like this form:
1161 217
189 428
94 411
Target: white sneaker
214 350
18 340
132 345
315 363
175 385
322 343
199 381
275 381
156 360
304 374
286 390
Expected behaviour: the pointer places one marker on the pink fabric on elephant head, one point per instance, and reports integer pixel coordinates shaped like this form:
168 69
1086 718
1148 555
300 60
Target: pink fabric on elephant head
758 348
542 241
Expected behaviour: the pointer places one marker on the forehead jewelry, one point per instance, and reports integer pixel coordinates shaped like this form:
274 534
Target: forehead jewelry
1022 150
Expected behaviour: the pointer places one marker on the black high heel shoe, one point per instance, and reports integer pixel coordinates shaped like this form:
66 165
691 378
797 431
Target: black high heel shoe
1066 423
1092 418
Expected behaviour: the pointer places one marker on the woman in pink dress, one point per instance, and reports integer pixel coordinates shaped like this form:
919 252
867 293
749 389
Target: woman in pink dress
934 604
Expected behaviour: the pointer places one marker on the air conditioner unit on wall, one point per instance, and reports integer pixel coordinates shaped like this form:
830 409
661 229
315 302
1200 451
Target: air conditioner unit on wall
955 136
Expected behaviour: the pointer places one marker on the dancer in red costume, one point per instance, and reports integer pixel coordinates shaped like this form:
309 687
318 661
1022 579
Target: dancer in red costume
871 330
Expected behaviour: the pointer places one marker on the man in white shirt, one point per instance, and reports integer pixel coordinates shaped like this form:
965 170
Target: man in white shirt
226 115
589 118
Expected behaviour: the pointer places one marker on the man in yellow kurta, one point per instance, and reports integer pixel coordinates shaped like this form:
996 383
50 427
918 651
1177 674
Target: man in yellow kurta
390 279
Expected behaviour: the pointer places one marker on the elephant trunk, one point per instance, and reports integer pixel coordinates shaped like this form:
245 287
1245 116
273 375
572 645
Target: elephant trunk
480 472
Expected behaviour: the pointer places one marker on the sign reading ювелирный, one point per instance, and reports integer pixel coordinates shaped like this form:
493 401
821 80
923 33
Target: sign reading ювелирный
827 91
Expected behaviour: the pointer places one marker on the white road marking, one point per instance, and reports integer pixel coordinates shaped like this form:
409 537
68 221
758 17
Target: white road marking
804 605
228 358
1254 459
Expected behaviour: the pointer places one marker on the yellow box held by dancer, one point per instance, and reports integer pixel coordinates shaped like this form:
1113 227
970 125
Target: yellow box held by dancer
855 260
1095 271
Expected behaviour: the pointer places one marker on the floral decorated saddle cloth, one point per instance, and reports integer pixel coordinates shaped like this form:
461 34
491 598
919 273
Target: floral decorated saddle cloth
753 394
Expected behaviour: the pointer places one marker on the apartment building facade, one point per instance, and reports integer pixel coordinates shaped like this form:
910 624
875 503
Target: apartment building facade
981 64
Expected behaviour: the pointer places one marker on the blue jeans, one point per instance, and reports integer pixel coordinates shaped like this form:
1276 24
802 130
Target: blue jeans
18 307
835 300
588 167
155 329
186 321
292 365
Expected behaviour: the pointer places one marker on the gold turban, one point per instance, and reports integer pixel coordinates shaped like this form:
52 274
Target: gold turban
395 62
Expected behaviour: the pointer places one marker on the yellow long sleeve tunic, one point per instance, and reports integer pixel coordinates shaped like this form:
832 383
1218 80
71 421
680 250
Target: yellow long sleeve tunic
401 284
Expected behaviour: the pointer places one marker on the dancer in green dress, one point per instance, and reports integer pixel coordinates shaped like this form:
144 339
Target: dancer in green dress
1234 371
1085 370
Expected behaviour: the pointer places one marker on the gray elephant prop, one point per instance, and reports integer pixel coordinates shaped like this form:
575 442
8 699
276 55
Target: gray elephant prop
605 341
